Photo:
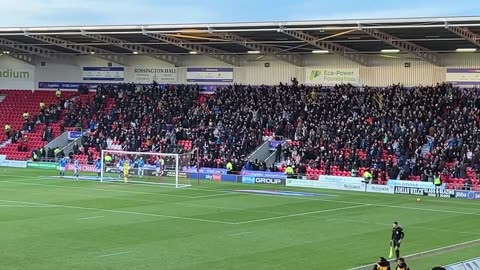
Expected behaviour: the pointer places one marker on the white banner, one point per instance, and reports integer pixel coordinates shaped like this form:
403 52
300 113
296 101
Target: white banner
17 77
340 179
13 163
210 75
333 76
103 73
380 189
147 75
325 185
463 76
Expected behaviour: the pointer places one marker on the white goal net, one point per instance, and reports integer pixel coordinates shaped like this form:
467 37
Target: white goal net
146 167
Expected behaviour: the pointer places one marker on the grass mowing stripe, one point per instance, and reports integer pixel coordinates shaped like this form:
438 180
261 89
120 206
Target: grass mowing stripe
114 254
302 214
153 201
87 218
121 212
430 252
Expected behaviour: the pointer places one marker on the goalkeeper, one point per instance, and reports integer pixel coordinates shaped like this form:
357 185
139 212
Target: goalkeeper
126 170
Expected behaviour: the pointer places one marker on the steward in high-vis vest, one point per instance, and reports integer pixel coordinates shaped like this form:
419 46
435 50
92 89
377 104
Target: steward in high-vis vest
437 181
289 171
367 176
8 130
229 166
58 93
25 115
382 264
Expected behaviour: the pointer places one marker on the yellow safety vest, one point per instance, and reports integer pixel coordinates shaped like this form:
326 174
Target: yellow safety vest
25 115
437 181
58 93
42 105
289 170
8 128
229 166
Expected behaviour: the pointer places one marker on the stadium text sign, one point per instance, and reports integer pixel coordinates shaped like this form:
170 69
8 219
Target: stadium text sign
147 75
340 179
17 77
333 76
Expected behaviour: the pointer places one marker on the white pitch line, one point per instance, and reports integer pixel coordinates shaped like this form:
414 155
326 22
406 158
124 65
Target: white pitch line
238 234
114 254
302 214
425 252
121 212
24 206
87 218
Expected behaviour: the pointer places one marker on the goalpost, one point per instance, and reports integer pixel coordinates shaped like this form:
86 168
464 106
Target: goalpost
147 167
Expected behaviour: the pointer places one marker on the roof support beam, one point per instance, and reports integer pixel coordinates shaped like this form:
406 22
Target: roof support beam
35 50
465 33
413 49
25 58
151 52
268 50
336 49
209 51
99 53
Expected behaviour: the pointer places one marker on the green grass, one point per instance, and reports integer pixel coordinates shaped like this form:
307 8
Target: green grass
46 223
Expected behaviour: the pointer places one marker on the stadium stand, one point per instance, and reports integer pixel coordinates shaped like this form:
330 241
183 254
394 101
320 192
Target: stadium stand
41 126
397 133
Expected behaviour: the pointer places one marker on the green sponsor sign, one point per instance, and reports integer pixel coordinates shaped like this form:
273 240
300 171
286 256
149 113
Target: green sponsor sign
42 165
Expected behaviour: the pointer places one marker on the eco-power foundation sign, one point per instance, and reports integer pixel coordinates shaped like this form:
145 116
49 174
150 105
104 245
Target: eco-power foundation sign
333 76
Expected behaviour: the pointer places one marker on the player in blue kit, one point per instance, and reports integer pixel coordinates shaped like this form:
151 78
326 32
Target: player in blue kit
63 167
98 167
141 165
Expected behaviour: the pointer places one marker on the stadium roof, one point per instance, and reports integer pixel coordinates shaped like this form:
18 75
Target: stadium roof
425 38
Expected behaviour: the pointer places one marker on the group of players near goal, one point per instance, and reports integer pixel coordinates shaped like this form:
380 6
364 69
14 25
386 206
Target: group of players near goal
123 166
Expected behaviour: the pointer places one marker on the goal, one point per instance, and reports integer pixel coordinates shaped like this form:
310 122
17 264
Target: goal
147 167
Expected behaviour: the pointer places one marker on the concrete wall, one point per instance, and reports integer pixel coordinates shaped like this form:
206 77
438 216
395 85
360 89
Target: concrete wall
382 71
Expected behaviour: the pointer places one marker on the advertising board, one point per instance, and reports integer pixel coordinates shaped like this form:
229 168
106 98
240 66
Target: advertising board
248 180
412 184
467 194
333 76
147 75
13 163
103 73
380 189
210 75
270 181
431 192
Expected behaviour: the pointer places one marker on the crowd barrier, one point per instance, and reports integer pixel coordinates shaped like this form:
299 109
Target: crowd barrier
267 178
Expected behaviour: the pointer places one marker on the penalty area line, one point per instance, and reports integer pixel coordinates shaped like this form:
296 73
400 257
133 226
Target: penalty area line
428 252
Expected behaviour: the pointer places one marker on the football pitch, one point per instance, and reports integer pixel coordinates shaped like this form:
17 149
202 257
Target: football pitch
48 223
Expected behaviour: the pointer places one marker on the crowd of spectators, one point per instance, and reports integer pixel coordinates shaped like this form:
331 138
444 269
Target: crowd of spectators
399 131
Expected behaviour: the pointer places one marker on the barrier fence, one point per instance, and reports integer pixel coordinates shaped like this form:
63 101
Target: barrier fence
279 179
